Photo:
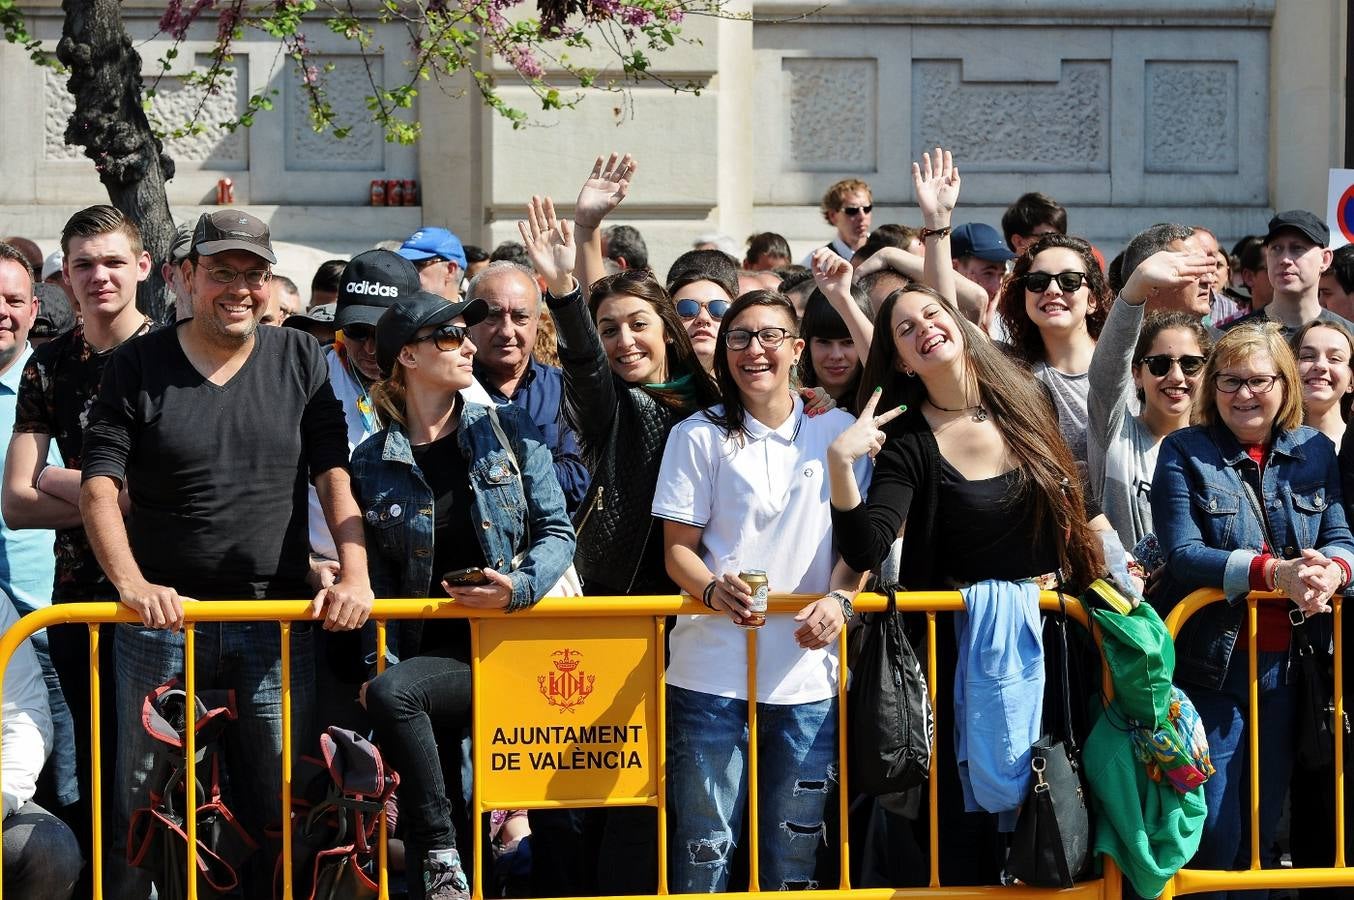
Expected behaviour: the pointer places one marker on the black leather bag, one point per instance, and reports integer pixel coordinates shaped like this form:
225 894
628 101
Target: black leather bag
892 727
1051 846
1316 701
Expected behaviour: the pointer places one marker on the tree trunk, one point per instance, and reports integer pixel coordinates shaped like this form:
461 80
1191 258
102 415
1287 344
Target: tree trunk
110 124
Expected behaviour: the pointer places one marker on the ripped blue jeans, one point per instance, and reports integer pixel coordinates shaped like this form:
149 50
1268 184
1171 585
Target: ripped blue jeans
707 788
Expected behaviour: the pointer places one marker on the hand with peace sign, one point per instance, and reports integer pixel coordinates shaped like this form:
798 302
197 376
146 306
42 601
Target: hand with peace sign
866 437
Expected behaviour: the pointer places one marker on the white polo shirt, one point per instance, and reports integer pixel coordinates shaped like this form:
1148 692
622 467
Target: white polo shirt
763 504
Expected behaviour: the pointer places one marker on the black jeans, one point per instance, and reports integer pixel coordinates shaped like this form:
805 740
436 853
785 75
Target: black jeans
409 704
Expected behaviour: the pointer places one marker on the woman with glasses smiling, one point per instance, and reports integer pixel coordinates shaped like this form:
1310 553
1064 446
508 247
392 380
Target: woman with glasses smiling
1160 359
743 487
458 500
1247 500
1054 305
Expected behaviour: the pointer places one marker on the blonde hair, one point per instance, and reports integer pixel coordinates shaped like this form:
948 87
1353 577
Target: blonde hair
388 394
836 195
1239 345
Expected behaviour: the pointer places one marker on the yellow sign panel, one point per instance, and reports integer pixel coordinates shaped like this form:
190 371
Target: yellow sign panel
565 710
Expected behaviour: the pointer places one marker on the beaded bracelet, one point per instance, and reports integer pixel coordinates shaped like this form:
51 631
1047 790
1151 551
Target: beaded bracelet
935 232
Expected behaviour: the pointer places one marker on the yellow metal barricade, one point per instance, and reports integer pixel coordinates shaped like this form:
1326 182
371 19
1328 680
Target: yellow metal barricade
571 673
1187 880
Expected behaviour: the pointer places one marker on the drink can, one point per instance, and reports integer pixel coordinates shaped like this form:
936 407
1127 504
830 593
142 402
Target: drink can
378 192
225 192
394 193
410 192
755 579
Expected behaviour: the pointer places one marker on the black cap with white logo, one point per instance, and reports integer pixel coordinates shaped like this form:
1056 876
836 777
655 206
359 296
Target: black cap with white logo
371 283
231 229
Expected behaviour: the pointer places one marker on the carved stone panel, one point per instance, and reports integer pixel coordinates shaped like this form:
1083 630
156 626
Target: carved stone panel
1006 127
1191 116
346 87
830 108
176 104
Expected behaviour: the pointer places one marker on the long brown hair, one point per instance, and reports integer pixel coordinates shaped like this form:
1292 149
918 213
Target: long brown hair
1023 412
1026 340
681 356
1346 399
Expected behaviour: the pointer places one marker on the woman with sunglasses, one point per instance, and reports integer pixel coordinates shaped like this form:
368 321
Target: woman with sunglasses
702 284
1054 305
458 500
743 487
1324 351
1247 500
1160 358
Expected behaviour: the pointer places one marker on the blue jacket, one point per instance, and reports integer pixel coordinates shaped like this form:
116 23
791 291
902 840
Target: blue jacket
541 392
397 507
1209 532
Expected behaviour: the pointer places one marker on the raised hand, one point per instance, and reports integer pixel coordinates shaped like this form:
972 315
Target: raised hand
1166 270
831 273
865 437
604 190
936 183
550 245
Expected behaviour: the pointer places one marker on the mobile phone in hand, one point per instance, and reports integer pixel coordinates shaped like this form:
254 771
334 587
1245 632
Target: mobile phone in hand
471 577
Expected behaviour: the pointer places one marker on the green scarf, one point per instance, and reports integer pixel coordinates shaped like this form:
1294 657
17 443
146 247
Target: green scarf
683 387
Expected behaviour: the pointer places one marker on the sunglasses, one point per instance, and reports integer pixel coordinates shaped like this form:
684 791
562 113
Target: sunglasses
1160 365
689 309
446 337
857 210
359 333
1067 281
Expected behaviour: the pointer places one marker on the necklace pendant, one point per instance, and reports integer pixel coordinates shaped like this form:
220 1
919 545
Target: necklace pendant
980 415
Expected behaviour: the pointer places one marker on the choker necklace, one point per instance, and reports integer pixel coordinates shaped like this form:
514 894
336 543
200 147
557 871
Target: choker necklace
979 415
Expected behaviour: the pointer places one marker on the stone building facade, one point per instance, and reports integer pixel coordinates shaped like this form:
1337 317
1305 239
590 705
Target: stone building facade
1213 112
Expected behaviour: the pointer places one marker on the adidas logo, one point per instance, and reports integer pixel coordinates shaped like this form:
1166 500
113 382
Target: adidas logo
372 288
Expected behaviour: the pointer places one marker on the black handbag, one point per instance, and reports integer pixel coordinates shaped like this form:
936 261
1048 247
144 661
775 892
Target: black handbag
891 722
1051 845
1316 701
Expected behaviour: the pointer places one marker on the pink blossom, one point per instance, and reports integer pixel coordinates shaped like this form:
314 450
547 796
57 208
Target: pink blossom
636 15
524 61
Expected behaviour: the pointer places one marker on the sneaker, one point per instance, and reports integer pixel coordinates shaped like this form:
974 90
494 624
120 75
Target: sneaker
444 880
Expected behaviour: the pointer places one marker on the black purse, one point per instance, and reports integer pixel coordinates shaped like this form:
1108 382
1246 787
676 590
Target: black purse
1051 845
891 722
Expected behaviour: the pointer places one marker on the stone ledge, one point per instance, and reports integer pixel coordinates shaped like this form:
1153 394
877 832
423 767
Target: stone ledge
1080 13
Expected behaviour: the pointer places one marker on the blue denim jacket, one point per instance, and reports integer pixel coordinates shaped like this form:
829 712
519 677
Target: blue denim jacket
397 507
1209 532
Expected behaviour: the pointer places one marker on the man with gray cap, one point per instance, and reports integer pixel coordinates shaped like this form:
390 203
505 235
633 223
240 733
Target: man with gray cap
171 272
1296 253
215 426
439 258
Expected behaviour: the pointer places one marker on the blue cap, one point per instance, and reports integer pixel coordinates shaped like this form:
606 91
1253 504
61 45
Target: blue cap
427 243
982 241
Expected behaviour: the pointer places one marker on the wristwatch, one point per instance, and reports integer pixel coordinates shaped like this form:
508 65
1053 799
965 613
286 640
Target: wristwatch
845 600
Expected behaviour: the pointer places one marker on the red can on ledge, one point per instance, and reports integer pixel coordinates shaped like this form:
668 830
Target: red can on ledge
225 192
378 192
394 193
410 192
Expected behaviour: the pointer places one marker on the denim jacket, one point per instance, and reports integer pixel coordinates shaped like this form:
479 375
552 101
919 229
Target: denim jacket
397 507
1209 532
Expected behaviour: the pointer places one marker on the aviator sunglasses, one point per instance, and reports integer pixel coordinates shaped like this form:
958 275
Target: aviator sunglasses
689 309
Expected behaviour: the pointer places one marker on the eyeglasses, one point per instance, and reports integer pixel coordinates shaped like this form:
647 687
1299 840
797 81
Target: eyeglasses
769 338
1067 281
226 275
359 333
857 210
446 337
689 309
1258 384
1160 365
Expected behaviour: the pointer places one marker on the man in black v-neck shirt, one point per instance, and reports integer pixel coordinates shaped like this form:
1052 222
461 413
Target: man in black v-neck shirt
216 426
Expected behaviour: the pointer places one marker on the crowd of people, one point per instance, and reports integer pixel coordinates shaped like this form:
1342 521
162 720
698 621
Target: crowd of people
995 411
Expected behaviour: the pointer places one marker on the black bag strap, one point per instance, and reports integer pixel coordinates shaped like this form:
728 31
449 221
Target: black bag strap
1063 663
